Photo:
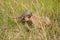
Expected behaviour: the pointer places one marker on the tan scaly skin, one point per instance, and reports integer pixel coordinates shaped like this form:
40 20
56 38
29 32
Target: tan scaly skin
40 21
36 20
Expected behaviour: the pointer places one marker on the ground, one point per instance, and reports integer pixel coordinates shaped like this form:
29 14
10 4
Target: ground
14 30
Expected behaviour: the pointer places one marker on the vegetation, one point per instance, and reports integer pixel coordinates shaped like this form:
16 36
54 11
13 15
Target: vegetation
12 30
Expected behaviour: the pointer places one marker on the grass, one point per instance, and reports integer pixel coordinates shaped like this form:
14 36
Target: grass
13 30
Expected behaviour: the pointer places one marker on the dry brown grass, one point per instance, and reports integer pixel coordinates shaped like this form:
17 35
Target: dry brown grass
11 29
